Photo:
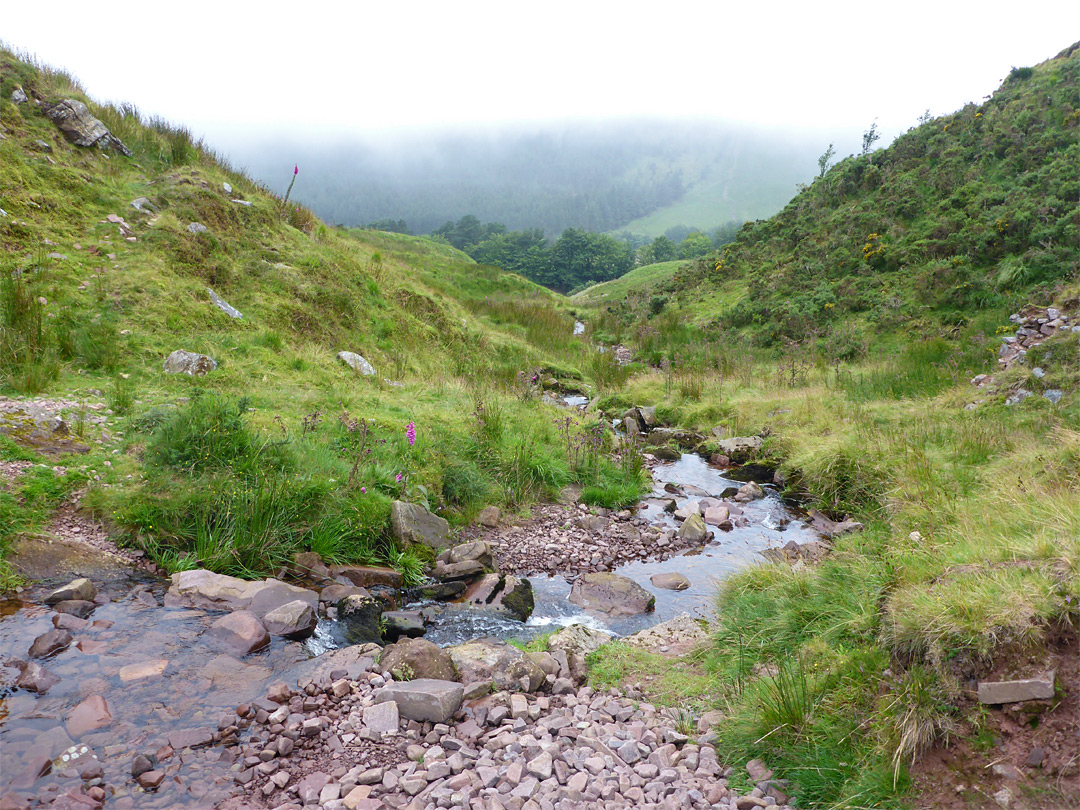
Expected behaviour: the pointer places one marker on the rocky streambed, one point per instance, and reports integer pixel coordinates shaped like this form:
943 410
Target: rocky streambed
152 693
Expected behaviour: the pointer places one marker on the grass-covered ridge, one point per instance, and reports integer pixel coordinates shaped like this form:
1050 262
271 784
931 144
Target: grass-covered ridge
970 212
282 448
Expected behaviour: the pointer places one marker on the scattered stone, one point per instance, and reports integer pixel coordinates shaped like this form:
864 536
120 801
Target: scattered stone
502 593
18 96
190 363
224 305
693 529
197 227
357 363
93 713
35 678
50 643
361 617
79 608
382 718
492 661
402 624
142 671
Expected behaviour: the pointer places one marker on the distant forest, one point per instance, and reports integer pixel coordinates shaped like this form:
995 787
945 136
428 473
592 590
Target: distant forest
578 258
597 178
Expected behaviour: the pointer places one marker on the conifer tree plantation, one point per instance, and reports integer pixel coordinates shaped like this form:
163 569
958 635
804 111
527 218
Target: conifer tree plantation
532 512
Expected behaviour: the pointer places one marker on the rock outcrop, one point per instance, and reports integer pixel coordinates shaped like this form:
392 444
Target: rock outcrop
80 127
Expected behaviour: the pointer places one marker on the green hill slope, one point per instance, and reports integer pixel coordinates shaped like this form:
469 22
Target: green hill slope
968 213
108 265
639 280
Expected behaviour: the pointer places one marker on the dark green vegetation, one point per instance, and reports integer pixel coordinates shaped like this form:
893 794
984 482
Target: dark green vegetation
282 448
971 213
637 176
577 258
845 331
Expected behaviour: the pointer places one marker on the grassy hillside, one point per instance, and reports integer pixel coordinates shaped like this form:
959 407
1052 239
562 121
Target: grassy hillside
971 213
282 447
639 281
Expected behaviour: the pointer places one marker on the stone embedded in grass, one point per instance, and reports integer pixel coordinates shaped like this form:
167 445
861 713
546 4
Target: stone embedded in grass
190 363
412 523
80 127
357 363
197 227
224 305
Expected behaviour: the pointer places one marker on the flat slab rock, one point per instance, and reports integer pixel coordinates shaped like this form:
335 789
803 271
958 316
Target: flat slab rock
205 589
998 692
423 700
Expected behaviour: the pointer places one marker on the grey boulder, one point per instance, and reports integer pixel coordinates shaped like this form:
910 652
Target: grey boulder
412 523
191 363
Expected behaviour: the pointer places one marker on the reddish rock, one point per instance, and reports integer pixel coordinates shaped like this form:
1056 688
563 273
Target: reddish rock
35 678
76 607
50 643
151 779
65 621
93 713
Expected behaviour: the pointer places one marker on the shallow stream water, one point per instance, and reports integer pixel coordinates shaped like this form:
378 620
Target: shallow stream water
199 681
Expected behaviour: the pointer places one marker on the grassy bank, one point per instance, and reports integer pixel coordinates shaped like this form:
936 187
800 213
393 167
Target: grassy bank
840 675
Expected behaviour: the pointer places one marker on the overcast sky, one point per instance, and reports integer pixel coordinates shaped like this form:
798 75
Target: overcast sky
235 69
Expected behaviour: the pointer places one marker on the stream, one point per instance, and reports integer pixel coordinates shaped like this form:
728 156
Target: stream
194 682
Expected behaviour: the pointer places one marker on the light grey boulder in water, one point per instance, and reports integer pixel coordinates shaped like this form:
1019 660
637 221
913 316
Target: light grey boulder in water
80 127
356 362
223 305
195 365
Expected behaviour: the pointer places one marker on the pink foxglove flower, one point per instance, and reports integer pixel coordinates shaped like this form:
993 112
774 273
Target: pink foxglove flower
410 433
